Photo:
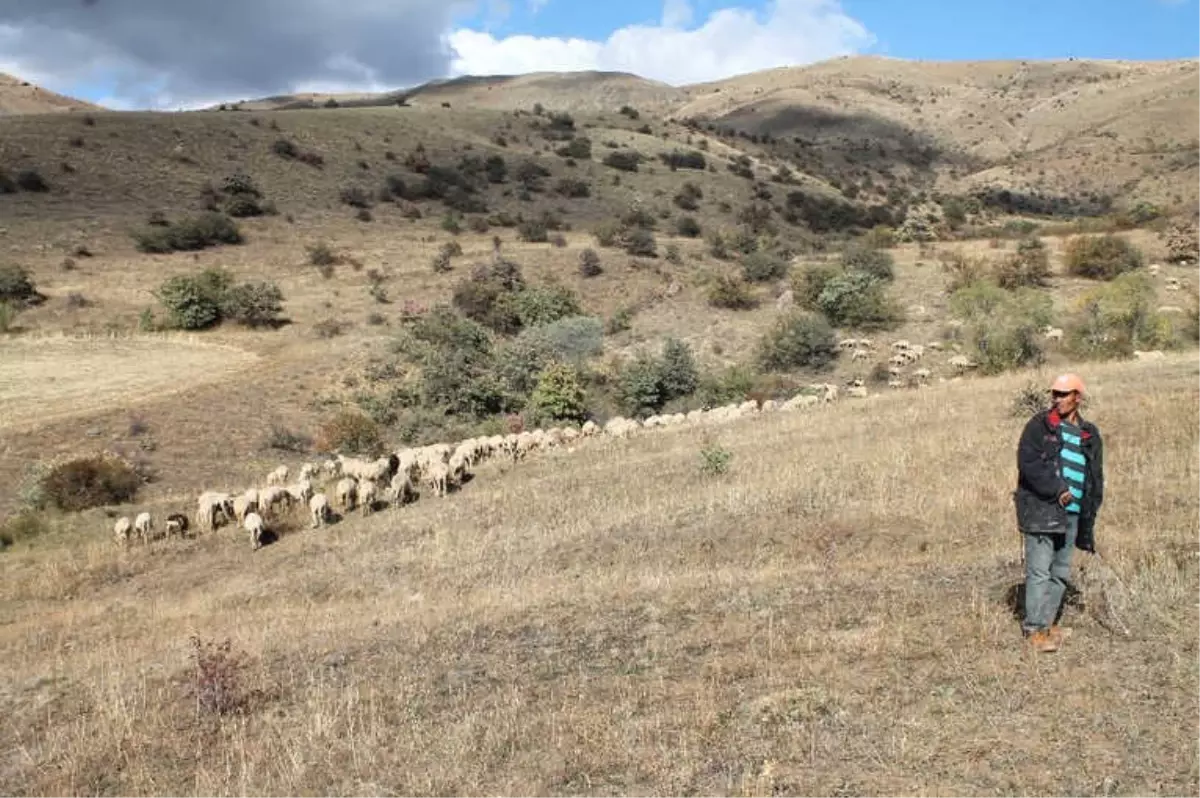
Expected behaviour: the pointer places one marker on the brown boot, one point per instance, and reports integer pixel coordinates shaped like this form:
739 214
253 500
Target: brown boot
1059 633
1042 641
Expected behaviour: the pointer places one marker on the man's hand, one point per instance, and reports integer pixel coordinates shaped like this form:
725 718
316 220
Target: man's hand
1065 498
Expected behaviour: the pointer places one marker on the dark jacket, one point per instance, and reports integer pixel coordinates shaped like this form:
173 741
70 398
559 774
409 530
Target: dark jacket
1039 484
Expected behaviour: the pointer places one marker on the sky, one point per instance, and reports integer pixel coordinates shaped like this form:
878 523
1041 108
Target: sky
167 54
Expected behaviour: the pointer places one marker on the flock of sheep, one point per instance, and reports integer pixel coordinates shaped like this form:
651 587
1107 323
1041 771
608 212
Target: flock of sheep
348 483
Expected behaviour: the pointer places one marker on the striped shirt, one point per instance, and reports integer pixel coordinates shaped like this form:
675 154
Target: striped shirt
1073 463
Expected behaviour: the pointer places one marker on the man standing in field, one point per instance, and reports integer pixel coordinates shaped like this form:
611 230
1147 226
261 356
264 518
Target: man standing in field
1060 487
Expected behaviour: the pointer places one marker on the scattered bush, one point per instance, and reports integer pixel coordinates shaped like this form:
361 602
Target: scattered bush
855 299
1114 319
87 482
1003 327
31 180
573 188
624 160
714 460
689 196
539 305
216 681
350 432
640 242
320 254
1030 398
579 148
283 439
688 227
486 296
193 302
16 286
874 262
647 383
571 339
589 263
258 304
559 395
731 292
1100 257
800 340
809 282
678 159
206 230
355 197
763 267
1028 267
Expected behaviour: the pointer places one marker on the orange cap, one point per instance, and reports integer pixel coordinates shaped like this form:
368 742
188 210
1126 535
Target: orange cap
1068 382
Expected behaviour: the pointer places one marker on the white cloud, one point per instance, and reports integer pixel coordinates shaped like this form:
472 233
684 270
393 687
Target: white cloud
731 41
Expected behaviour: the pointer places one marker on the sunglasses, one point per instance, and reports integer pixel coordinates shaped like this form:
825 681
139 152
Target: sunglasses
1060 394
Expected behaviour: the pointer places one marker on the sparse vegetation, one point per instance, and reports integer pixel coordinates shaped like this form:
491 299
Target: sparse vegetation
209 229
1113 320
1100 257
731 292
86 482
799 340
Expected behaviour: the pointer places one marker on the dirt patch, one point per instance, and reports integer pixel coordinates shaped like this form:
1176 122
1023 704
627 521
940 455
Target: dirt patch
48 379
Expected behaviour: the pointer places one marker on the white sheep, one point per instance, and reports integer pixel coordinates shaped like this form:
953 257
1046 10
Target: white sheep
309 470
253 523
438 477
590 429
278 476
402 489
318 507
860 354
177 524
1052 333
962 363
368 493
301 490
121 529
345 492
1153 354
272 496
245 504
143 525
209 505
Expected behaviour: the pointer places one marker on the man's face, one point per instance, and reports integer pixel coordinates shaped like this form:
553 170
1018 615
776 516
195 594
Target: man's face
1066 402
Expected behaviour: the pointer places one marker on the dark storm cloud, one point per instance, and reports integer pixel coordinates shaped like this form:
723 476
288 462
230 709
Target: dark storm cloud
165 52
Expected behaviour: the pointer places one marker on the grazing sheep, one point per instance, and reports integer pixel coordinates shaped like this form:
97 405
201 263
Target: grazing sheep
922 374
345 493
121 529
253 524
272 496
331 468
900 344
177 524
318 507
143 526
309 470
1153 354
210 505
1052 333
962 363
1173 284
590 429
245 504
301 491
1154 268
860 354
438 478
278 476
368 493
402 490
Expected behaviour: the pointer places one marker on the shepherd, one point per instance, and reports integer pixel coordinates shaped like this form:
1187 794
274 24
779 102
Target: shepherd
1060 486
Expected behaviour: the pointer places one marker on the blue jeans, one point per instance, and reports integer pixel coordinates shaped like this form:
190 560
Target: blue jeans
1047 568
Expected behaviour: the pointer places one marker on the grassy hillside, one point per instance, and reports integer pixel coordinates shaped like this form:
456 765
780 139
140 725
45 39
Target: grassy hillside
19 96
830 615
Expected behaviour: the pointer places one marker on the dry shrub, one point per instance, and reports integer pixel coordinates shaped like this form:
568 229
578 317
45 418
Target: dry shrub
88 482
217 678
350 433
1101 257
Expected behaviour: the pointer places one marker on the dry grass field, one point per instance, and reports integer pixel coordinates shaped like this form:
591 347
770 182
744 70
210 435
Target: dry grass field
830 616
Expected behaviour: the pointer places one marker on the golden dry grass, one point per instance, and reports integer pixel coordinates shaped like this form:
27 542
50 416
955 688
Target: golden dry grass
829 617
50 378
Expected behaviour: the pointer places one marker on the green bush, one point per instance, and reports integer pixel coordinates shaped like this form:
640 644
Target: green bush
800 340
533 231
1113 320
875 262
486 296
8 316
589 263
640 242
647 383
624 160
731 292
1100 257
559 395
688 227
573 188
572 339
1003 327
677 371
856 299
809 282
87 482
762 267
257 304
714 460
194 302
16 286
199 232
545 304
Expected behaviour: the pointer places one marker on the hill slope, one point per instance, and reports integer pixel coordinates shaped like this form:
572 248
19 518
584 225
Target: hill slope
22 97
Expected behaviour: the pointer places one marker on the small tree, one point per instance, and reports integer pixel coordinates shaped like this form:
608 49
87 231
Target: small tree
1028 267
856 299
88 482
559 394
350 432
801 340
731 292
762 267
257 304
194 302
677 370
875 262
1115 319
544 304
589 263
16 286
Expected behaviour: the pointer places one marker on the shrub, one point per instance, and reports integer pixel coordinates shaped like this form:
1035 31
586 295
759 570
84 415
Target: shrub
355 197
799 340
16 286
640 242
545 304
282 439
731 292
195 233
350 432
762 267
579 148
87 482
677 371
964 270
1003 327
589 263
194 302
1028 267
875 262
285 148
8 316
529 174
1030 398
571 339
639 388
629 111
216 681
533 231
486 296
573 188
258 304
320 254
1114 319
714 460
688 227
624 160
689 196
559 395
24 525
809 282
242 206
1100 257
679 159
855 299
31 180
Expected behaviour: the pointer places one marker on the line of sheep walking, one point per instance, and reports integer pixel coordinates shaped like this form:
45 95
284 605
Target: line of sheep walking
349 483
